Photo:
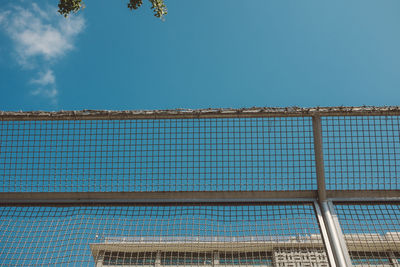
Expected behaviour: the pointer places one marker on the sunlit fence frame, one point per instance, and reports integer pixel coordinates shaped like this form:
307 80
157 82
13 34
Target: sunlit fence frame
323 200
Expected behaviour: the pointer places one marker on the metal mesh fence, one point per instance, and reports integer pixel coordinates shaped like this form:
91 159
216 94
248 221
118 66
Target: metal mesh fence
200 189
362 152
157 155
371 232
141 235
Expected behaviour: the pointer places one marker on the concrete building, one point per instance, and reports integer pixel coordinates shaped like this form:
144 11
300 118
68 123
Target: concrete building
280 251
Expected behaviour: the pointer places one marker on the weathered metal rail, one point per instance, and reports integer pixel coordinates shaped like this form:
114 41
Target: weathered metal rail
255 112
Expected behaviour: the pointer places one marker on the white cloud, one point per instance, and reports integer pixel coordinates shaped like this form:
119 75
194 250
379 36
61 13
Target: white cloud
41 37
45 78
50 93
46 83
40 33
3 16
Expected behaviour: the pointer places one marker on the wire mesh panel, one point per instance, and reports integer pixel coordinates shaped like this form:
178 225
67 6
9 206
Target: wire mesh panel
362 152
244 235
82 157
221 154
371 232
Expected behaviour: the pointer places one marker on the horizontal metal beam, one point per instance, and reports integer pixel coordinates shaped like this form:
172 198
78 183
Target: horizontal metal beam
363 195
28 198
80 198
199 113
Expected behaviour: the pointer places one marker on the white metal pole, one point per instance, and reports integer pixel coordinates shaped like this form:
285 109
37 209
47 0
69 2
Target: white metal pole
325 236
333 236
339 232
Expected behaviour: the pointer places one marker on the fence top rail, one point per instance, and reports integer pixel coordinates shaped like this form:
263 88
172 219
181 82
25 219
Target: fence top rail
255 112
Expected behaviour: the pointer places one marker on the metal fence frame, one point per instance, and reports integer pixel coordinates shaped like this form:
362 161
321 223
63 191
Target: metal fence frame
322 198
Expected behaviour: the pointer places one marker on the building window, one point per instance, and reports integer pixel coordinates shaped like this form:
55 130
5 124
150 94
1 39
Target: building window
245 258
129 258
370 258
186 258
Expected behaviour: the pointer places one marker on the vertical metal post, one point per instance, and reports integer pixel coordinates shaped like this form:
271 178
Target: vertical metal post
324 234
319 158
332 233
341 260
339 232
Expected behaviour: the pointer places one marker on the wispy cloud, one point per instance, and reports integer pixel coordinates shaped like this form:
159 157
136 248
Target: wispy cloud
45 78
46 85
41 37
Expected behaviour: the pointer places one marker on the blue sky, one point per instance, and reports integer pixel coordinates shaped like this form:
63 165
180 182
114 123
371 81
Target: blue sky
205 54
